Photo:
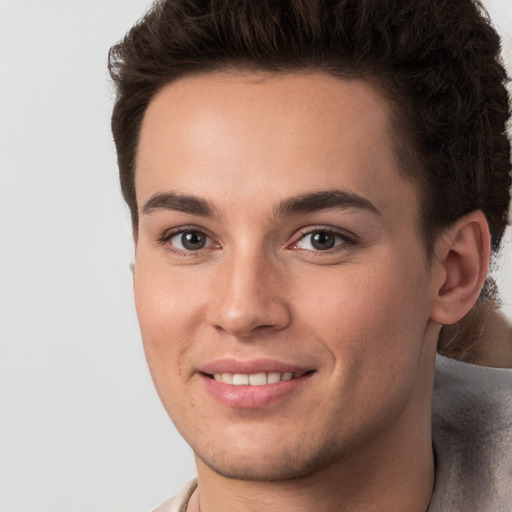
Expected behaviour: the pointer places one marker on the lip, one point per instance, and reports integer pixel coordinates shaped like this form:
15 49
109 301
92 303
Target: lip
251 397
229 365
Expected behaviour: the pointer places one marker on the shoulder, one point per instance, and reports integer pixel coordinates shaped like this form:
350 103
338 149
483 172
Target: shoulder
472 437
179 502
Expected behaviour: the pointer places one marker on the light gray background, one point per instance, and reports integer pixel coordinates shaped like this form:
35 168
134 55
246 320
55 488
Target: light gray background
81 428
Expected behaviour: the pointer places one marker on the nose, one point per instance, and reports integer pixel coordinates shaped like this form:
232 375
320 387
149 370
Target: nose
248 297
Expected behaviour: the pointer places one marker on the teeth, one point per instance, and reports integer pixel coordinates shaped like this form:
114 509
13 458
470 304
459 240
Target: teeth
254 379
258 379
227 378
273 377
240 379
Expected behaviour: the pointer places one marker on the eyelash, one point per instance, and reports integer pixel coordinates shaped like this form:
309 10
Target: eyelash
168 235
346 239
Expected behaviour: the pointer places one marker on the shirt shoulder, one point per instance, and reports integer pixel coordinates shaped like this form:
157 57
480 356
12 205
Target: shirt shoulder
179 502
472 437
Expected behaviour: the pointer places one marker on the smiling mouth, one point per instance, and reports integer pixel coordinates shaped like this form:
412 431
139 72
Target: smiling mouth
255 379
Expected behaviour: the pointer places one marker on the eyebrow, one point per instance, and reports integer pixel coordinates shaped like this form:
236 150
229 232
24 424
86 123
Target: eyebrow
177 202
305 203
323 200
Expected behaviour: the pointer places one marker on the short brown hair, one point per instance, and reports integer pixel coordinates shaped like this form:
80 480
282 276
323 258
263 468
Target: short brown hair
436 60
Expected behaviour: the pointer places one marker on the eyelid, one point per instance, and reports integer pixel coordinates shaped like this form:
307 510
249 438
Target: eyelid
168 234
348 237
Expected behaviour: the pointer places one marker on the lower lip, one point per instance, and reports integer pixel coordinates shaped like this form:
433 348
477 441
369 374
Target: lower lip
250 397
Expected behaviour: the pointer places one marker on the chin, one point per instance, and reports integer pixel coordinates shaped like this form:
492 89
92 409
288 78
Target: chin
270 466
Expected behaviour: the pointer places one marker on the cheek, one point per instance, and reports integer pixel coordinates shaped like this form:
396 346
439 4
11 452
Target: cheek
367 310
169 317
165 301
168 325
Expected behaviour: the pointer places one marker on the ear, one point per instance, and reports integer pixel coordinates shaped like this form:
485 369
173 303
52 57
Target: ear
460 267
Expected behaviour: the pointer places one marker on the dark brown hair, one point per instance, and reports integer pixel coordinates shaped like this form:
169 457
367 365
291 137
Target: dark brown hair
437 61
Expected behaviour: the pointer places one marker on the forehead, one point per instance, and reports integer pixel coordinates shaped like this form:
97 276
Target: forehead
264 133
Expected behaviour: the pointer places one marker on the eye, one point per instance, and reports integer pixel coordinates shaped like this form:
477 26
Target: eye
321 240
190 240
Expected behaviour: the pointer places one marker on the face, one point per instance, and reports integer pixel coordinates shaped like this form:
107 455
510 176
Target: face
280 282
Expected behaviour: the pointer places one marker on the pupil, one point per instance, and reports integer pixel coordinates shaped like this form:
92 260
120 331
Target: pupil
193 240
323 240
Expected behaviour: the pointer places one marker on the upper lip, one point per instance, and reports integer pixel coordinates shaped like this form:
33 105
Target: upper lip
230 365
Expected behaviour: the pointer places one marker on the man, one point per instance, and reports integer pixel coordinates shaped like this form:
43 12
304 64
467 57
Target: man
315 189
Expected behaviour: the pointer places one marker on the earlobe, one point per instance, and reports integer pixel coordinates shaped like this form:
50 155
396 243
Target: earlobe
461 266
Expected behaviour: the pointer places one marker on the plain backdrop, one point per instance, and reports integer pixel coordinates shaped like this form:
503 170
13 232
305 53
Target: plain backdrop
81 428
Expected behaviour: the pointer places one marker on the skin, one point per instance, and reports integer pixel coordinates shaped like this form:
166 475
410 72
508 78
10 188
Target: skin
362 316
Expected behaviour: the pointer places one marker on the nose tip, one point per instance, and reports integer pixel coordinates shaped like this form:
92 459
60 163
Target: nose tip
249 299
241 323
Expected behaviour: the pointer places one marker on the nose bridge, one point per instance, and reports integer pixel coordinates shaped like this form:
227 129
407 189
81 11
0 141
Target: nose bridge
249 294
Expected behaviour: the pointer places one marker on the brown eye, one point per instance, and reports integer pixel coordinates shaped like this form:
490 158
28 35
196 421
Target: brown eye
190 241
322 240
193 240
